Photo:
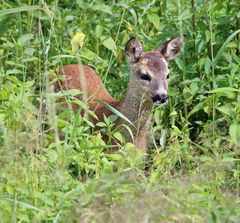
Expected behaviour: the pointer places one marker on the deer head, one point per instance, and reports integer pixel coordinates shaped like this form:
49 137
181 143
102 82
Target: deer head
149 70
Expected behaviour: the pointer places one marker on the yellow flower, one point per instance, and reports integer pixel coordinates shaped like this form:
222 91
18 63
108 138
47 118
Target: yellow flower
77 41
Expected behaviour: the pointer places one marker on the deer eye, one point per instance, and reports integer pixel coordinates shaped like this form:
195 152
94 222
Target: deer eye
145 77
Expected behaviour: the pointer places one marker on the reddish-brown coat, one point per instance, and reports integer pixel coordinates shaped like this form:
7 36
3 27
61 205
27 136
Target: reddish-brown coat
141 94
85 79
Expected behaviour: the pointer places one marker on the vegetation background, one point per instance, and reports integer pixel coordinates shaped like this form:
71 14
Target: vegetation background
193 170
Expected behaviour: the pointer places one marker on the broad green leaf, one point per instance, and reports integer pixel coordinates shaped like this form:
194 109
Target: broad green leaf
14 71
98 30
207 65
7 45
24 39
194 88
172 91
4 24
234 132
102 8
4 94
119 137
197 108
225 109
101 124
88 54
186 14
155 20
29 51
110 44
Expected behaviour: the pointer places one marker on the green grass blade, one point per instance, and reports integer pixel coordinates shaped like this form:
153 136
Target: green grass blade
220 52
115 111
19 9
224 90
24 205
58 216
5 12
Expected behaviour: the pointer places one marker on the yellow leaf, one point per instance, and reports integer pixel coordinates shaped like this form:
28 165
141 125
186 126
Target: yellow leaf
77 41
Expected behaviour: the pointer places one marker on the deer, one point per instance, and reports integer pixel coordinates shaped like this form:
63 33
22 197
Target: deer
148 85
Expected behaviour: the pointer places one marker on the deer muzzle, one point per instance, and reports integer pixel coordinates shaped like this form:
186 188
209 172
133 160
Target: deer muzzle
160 98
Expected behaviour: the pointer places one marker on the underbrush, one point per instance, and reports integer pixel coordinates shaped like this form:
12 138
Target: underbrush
55 168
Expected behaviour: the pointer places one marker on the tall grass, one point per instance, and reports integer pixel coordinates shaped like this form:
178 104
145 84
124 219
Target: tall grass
192 171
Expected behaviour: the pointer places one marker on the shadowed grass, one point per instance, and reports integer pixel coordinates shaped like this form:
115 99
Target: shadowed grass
192 173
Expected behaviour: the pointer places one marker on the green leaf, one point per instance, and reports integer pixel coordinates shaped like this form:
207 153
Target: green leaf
172 92
197 108
119 137
186 14
24 205
194 88
24 39
155 20
70 92
115 111
220 52
26 9
224 90
177 130
90 55
29 51
101 124
19 9
4 94
225 109
110 44
14 71
4 24
207 65
134 14
98 30
234 132
102 8
129 130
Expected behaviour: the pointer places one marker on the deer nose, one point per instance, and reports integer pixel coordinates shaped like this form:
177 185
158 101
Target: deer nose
160 98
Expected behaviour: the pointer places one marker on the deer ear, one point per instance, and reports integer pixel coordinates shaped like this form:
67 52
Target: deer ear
133 49
172 48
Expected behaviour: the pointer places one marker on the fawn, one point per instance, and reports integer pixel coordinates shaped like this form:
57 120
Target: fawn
147 86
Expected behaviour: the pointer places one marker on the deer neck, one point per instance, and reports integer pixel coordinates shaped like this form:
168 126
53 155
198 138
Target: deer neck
137 107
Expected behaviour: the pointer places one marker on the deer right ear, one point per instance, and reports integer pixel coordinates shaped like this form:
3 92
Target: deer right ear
172 48
133 50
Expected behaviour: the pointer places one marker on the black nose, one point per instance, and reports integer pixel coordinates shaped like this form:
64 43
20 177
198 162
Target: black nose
160 98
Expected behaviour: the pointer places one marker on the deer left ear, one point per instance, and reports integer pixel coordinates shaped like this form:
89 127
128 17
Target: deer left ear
172 48
133 50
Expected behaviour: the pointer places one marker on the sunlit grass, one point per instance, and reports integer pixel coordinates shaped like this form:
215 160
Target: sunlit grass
54 166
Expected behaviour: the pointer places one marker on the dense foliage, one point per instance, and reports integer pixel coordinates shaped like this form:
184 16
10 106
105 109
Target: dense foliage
192 173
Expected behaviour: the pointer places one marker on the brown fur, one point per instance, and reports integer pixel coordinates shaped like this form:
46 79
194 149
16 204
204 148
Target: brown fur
138 102
85 79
